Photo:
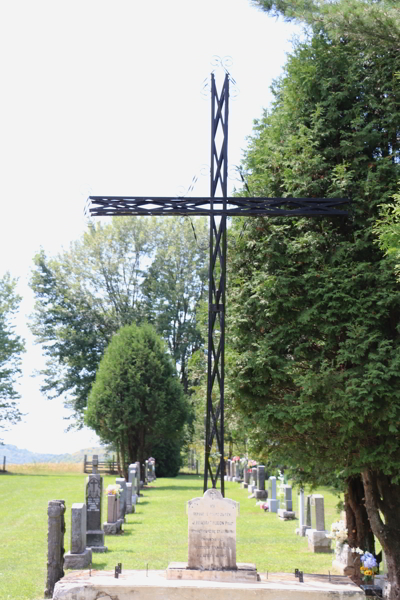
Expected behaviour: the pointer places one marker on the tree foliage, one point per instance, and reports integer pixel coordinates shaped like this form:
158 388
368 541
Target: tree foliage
314 303
372 23
125 271
11 348
137 402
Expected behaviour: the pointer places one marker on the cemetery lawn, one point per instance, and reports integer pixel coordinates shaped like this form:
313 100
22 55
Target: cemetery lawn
155 536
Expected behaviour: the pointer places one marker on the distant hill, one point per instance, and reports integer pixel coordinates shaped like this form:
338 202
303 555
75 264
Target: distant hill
17 456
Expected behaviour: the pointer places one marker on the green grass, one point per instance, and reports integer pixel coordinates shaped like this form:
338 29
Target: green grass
154 536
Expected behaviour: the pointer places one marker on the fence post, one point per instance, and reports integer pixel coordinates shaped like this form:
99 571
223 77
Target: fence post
84 463
4 463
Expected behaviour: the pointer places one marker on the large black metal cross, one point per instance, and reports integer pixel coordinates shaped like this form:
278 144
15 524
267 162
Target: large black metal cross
218 208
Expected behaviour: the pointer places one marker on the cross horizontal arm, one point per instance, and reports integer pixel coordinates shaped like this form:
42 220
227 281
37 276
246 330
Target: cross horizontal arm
106 206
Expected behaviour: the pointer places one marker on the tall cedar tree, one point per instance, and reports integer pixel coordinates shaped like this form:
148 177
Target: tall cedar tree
314 304
137 402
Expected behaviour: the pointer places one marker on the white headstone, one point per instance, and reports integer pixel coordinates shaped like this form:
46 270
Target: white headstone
212 532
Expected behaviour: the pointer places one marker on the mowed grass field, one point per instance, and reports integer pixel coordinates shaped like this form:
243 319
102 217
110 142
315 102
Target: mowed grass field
154 536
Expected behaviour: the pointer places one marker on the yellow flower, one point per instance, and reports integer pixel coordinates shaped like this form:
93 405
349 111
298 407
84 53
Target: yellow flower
368 572
362 569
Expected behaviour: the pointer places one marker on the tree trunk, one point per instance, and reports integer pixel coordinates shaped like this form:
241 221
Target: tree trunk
382 500
360 534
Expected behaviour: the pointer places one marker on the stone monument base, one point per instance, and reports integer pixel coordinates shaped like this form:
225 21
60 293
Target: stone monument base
260 494
302 530
78 561
273 505
153 585
245 572
112 528
286 515
245 485
317 541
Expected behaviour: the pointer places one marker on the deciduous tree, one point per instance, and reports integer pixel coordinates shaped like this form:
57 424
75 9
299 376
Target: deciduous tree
11 348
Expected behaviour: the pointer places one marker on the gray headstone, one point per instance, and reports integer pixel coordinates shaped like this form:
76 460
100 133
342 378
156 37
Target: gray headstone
94 496
318 514
261 477
131 473
301 510
212 532
237 471
246 474
138 476
128 498
112 504
254 476
308 511
288 497
122 497
272 488
78 528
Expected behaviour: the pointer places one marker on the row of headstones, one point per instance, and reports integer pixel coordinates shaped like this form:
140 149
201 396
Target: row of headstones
313 526
87 534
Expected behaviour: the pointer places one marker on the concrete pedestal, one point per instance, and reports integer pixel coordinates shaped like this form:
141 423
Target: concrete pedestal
154 585
95 541
78 561
260 494
273 505
112 528
318 542
286 515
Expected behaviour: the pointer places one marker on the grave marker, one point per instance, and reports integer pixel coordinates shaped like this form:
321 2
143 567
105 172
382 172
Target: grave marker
260 493
212 542
94 497
79 557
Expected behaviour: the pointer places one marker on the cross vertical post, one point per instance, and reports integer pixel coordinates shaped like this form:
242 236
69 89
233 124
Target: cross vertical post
214 427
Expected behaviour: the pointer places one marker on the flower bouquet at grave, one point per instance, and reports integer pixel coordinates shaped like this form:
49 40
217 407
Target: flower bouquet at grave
252 463
263 505
113 490
338 533
236 459
369 567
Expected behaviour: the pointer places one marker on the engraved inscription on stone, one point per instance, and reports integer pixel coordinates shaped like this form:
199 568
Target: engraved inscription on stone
93 495
212 532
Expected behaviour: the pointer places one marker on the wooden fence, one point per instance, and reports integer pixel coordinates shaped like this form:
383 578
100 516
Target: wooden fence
103 466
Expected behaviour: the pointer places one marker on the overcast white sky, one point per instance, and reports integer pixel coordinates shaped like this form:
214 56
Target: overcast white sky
104 98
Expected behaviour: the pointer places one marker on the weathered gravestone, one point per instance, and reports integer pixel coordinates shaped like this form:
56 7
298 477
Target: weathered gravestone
273 503
113 524
79 557
130 508
237 472
122 498
133 479
55 544
301 530
94 497
287 513
317 540
212 542
139 476
260 493
253 484
246 477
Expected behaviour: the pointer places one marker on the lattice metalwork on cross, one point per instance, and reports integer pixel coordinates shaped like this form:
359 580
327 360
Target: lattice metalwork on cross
218 208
